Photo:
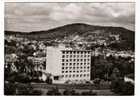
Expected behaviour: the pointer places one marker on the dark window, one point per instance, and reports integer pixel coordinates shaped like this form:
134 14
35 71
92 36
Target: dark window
63 52
56 77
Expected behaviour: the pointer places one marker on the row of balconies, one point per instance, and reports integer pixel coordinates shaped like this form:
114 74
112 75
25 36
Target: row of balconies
75 75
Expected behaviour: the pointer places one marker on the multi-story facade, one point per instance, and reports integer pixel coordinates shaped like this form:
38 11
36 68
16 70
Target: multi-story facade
68 64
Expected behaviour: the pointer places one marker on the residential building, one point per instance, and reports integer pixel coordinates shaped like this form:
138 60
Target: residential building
68 64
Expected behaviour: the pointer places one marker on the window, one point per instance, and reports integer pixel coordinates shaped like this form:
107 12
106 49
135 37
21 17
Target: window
56 77
63 56
80 75
67 56
77 75
66 71
62 67
73 75
63 60
70 71
62 63
63 52
62 71
67 60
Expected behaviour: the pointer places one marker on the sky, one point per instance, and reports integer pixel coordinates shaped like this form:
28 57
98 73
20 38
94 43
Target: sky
27 17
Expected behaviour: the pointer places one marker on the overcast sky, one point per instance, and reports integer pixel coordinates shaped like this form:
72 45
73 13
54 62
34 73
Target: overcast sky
28 17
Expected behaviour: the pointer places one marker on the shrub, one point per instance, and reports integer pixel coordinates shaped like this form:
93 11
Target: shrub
53 91
9 89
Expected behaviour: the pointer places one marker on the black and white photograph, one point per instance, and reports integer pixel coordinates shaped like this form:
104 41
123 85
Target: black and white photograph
69 48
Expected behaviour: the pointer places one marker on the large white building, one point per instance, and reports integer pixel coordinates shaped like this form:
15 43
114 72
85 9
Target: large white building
68 64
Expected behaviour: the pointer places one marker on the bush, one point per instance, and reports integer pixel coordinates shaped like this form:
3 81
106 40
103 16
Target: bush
36 92
53 91
122 88
70 92
9 89
88 93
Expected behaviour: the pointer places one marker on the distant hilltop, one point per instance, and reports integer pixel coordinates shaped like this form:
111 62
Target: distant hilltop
127 37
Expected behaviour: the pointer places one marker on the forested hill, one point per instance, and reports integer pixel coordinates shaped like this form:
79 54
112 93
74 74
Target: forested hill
83 30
